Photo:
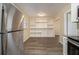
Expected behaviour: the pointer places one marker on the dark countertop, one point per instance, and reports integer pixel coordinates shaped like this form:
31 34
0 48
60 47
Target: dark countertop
76 38
73 39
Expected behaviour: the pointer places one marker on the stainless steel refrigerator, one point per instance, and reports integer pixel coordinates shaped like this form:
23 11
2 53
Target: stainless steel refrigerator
11 30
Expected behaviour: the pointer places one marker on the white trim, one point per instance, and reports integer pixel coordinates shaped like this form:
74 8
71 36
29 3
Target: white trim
26 39
60 42
65 33
65 18
20 9
21 21
17 7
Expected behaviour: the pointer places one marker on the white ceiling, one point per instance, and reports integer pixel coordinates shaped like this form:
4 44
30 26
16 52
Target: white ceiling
51 9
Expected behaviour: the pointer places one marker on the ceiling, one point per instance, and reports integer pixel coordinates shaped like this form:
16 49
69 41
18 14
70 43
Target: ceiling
50 9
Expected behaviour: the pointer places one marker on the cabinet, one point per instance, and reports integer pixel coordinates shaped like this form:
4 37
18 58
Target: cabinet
41 27
72 49
74 12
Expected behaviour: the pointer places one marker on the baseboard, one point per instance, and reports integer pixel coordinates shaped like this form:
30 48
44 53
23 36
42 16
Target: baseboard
26 39
41 37
61 42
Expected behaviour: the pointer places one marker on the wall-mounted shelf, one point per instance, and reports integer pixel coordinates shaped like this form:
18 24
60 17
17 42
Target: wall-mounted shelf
41 28
41 22
35 32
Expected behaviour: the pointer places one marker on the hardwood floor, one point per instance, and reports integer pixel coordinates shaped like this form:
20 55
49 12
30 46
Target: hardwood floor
43 46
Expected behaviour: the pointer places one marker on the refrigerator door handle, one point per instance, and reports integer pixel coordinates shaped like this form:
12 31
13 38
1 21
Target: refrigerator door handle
14 31
2 33
11 31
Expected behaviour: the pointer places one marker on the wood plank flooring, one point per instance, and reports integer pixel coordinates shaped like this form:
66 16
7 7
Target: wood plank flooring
43 46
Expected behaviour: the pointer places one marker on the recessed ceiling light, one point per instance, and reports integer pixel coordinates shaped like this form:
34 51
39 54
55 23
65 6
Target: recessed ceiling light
41 14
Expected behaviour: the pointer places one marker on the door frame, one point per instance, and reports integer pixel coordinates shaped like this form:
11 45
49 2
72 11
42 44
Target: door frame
65 31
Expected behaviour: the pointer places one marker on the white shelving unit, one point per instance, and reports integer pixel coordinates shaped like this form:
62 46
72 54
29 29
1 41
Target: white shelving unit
41 27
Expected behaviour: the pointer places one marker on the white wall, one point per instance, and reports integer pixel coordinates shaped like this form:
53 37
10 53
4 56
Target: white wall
60 18
57 26
27 29
72 27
